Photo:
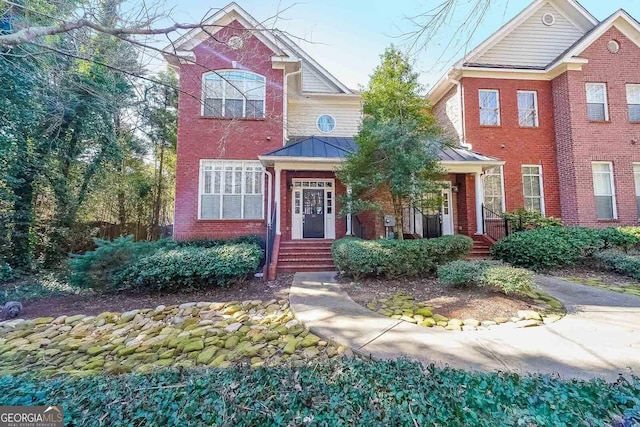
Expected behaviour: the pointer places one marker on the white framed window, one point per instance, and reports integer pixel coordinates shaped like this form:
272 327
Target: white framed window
597 108
233 94
493 190
604 190
489 107
231 189
528 108
326 123
636 176
633 101
533 188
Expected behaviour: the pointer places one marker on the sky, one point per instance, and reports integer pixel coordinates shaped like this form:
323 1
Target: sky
347 36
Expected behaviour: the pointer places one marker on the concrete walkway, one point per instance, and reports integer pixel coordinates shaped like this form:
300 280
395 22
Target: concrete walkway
599 337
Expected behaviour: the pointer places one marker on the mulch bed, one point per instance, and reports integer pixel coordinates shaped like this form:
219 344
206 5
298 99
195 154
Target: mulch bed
452 302
255 289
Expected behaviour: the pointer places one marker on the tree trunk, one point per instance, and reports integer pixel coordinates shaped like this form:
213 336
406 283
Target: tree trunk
155 218
23 219
398 212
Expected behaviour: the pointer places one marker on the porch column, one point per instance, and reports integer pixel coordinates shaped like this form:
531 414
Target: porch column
278 202
479 203
349 231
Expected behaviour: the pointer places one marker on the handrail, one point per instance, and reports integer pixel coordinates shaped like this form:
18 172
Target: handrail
494 225
271 236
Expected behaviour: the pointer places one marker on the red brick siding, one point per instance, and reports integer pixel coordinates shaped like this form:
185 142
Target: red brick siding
580 142
208 138
514 144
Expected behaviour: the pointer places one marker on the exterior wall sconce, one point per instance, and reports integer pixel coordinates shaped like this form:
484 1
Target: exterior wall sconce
454 188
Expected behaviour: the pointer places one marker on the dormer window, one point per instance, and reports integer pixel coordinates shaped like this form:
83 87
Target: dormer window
326 123
233 94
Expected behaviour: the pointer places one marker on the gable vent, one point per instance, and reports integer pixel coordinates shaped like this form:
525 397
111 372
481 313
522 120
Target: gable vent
548 19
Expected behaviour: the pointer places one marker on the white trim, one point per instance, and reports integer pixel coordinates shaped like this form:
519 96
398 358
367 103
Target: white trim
220 73
448 190
541 183
278 173
479 202
223 164
606 98
603 28
318 124
497 108
613 188
535 107
297 223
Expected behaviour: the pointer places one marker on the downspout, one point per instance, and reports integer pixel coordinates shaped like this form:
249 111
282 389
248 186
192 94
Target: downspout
285 105
269 196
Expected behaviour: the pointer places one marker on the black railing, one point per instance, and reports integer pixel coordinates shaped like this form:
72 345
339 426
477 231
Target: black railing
357 227
271 236
431 223
494 224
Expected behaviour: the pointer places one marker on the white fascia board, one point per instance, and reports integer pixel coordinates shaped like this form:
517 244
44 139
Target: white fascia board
618 19
312 62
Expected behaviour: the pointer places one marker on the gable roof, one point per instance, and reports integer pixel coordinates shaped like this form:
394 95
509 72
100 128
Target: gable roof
510 49
339 148
572 18
280 44
620 19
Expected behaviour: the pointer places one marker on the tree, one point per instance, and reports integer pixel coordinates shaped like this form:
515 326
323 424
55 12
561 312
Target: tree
398 143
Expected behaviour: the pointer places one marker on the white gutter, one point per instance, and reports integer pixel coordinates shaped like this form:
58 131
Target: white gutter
285 102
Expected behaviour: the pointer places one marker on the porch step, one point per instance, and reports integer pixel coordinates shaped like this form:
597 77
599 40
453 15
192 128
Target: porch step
305 255
481 248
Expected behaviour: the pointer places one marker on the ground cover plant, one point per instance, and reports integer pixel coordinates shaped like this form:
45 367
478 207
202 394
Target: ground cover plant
487 273
340 393
397 258
619 262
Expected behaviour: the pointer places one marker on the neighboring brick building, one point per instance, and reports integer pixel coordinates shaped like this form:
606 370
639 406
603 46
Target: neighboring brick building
556 95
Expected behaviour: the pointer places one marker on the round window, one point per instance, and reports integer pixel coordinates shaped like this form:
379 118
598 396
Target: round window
548 19
326 123
613 46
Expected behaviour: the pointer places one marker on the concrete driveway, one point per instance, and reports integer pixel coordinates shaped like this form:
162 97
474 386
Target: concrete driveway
599 337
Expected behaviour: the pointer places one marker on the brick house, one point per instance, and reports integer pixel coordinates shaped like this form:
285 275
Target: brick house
555 94
262 128
544 112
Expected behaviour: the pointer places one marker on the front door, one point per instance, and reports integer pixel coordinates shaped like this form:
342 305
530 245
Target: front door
446 211
313 213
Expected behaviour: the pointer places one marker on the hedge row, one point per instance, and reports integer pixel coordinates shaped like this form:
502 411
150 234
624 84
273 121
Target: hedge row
486 273
340 393
553 247
123 264
620 263
392 258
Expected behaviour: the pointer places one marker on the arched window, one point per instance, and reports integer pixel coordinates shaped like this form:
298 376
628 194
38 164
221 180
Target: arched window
233 94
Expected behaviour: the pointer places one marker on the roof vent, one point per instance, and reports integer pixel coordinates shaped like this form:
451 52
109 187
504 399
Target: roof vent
548 19
235 42
613 46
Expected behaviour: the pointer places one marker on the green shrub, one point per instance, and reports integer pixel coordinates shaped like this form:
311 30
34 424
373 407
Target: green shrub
6 272
388 393
509 279
553 247
628 237
620 263
191 267
486 273
98 269
393 258
464 273
525 219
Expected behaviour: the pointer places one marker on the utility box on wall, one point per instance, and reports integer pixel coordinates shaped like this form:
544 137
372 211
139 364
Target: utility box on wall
389 221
